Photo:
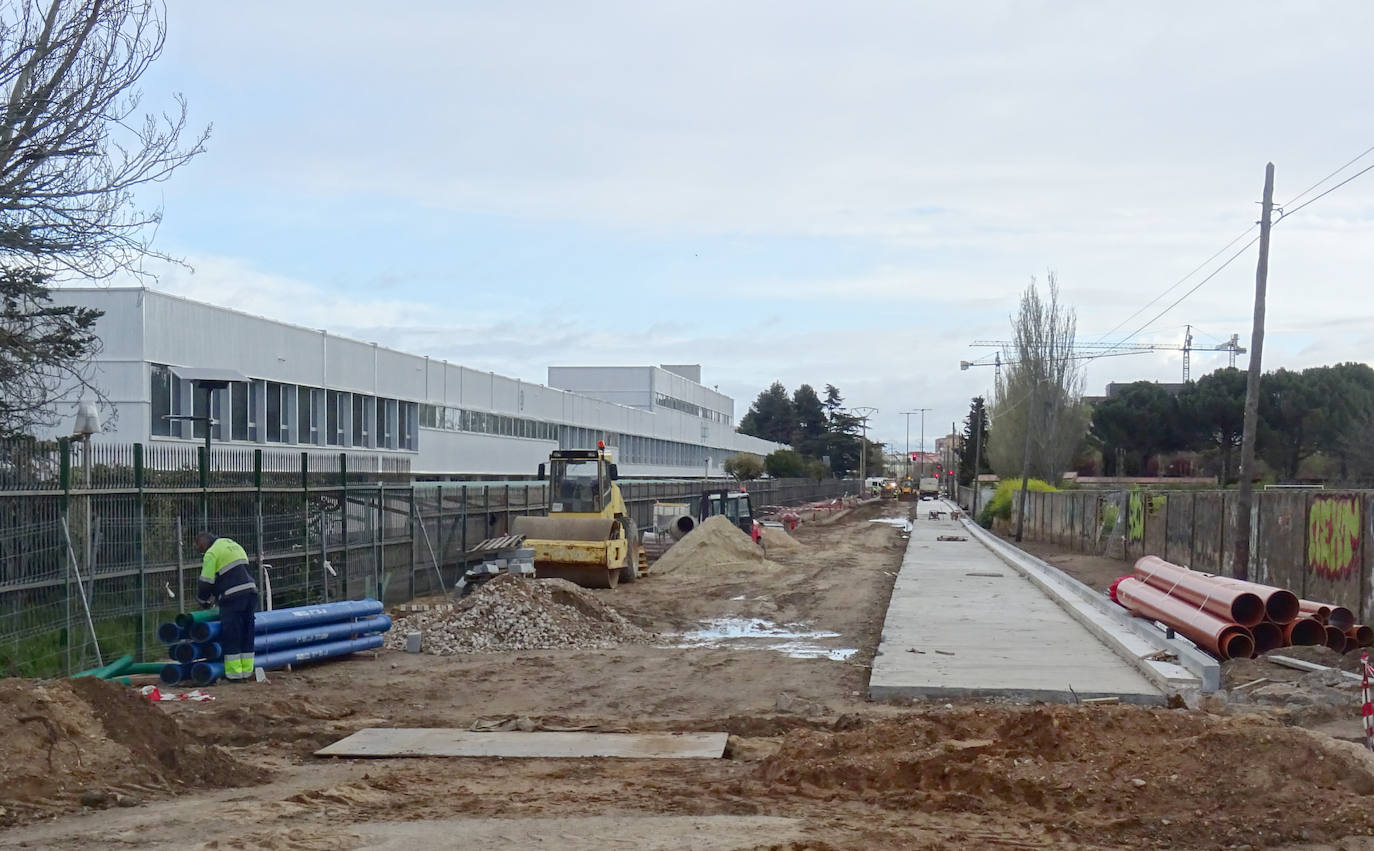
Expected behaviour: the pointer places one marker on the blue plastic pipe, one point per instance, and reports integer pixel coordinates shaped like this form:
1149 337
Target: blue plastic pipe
205 673
299 616
319 634
189 651
172 674
294 618
170 633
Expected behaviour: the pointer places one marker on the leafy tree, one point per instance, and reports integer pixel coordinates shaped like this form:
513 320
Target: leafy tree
1141 420
744 466
771 417
785 464
73 150
875 464
977 414
1292 417
45 352
1212 414
1040 391
811 421
1347 391
817 470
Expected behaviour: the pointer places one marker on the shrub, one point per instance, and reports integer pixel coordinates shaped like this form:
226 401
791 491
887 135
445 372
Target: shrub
1001 502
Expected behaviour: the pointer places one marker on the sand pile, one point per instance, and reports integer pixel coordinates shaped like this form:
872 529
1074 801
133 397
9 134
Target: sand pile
65 744
1106 775
778 540
511 613
716 546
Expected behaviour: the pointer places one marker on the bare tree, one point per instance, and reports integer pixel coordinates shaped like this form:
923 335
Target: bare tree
73 148
1039 415
45 352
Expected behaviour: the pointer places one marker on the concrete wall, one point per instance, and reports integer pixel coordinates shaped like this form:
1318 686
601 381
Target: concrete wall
1315 543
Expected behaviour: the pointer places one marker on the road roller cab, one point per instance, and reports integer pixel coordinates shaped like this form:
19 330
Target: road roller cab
588 536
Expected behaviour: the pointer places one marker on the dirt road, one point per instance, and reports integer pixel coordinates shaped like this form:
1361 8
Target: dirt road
831 771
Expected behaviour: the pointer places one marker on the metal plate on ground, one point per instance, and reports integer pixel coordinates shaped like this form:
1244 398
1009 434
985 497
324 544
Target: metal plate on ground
439 741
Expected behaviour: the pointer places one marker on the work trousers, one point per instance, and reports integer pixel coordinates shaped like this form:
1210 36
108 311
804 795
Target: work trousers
236 633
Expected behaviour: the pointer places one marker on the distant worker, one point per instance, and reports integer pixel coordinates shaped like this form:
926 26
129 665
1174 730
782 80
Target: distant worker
225 580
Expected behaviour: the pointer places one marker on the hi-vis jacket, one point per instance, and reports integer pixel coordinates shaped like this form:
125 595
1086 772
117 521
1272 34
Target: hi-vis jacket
224 572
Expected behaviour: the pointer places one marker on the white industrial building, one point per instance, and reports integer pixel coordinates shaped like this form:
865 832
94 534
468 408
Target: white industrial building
300 388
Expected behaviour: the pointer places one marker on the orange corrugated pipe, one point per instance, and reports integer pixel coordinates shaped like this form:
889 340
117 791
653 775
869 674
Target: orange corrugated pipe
1362 635
1320 611
1335 639
1222 638
1226 604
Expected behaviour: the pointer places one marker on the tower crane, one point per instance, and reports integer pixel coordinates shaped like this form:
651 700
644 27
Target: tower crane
1091 350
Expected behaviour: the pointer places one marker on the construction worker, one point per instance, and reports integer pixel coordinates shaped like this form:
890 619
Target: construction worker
226 582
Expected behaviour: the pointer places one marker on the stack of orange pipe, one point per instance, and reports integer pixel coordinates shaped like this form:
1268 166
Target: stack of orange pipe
1231 618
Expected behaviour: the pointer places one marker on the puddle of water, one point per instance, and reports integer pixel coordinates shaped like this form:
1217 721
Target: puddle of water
792 640
899 522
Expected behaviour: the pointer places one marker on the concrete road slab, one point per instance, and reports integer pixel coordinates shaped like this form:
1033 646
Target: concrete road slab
439 741
963 624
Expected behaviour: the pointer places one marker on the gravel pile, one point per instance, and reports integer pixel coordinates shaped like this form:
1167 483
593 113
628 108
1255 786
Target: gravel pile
511 613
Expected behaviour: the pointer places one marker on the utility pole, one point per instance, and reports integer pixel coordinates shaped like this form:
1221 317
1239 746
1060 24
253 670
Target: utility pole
908 415
923 443
1245 496
949 468
977 459
1025 464
863 412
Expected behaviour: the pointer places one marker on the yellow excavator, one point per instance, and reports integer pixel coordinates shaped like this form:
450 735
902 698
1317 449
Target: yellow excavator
588 536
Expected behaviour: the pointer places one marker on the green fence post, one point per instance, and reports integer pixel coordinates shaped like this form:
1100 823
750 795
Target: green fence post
64 475
142 556
343 521
305 525
410 526
203 461
257 527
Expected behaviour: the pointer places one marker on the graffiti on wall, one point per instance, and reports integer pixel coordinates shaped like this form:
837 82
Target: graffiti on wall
1333 536
1135 517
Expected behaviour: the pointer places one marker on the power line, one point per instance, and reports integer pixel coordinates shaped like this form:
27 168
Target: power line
1310 201
1294 200
1247 245
1366 152
1176 284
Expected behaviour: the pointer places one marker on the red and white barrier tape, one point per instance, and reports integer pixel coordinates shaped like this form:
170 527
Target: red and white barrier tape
155 693
1367 709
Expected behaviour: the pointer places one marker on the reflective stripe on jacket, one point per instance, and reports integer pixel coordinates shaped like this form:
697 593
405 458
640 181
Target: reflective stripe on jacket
224 571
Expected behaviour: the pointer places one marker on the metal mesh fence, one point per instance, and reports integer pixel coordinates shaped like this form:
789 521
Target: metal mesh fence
87 575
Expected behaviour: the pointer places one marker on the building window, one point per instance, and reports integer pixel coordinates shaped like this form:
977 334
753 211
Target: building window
382 425
334 417
238 410
198 410
360 417
276 412
161 398
406 425
254 410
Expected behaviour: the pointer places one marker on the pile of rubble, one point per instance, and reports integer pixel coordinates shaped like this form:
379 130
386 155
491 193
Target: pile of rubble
512 613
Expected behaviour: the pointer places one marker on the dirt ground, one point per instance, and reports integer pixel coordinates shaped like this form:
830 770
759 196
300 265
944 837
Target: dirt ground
810 764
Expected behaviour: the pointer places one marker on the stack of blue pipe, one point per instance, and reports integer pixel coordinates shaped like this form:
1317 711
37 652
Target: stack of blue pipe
281 637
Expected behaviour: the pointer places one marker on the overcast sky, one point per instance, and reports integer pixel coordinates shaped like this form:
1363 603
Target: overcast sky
809 192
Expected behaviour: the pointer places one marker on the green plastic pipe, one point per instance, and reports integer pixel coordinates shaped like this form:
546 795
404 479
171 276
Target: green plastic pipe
144 668
185 619
118 666
124 681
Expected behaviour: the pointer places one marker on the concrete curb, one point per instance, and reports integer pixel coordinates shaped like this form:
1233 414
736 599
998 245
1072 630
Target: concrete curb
1129 637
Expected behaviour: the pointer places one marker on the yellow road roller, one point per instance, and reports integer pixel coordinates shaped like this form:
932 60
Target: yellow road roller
588 536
